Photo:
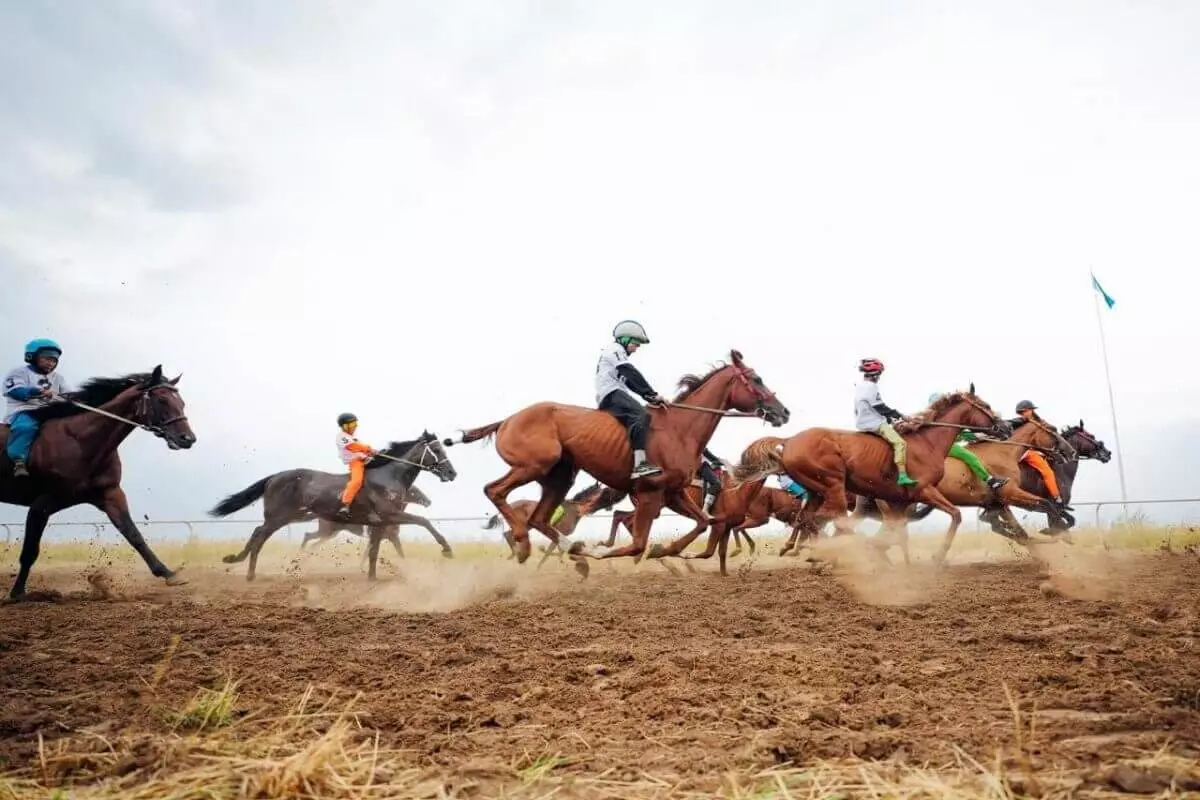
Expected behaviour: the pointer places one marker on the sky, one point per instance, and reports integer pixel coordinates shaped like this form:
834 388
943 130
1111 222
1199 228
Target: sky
432 215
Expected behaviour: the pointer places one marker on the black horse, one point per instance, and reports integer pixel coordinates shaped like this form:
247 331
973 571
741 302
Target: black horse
299 495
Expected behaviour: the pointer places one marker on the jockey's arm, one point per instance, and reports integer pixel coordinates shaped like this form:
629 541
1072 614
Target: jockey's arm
635 381
23 393
889 413
359 447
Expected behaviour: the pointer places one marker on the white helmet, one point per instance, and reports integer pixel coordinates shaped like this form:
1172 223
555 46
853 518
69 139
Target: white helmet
629 331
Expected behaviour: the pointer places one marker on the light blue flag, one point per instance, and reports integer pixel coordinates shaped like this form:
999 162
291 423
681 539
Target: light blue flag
1108 301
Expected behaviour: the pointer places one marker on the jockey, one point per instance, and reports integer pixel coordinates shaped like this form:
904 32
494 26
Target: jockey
355 455
1027 412
710 469
29 388
791 487
872 415
617 381
959 450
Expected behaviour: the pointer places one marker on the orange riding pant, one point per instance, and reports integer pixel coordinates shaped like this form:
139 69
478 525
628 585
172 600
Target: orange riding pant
357 468
1038 462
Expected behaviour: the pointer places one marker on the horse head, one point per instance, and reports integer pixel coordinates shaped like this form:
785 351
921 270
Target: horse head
160 408
433 457
747 391
1086 444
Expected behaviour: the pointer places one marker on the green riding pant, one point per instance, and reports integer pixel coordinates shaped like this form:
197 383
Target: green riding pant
970 459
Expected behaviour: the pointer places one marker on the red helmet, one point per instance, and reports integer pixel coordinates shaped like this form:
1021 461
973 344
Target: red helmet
870 366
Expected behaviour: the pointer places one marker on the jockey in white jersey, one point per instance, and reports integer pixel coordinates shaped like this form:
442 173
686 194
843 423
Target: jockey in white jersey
28 388
617 382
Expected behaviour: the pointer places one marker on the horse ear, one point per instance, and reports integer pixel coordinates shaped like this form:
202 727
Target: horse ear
156 376
972 388
1081 423
174 381
736 357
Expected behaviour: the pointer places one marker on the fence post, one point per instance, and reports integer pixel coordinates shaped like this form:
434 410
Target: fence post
1098 514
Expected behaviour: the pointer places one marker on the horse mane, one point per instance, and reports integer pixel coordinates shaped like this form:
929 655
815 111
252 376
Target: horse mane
95 392
944 402
690 383
597 497
585 494
395 450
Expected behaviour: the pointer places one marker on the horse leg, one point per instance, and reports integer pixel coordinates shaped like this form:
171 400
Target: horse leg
619 518
644 513
114 503
555 486
35 526
254 544
682 503
498 490
406 518
374 536
931 495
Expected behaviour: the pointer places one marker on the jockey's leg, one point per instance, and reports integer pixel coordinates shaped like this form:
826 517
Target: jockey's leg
899 453
1038 462
622 406
22 431
712 487
357 472
957 450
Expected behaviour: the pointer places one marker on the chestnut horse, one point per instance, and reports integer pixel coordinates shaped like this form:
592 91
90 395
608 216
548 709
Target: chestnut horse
827 462
771 503
74 458
550 442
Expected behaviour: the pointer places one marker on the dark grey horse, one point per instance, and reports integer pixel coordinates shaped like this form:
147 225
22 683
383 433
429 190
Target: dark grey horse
298 495
326 529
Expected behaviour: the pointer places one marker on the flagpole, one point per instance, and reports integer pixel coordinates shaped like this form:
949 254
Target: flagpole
1112 407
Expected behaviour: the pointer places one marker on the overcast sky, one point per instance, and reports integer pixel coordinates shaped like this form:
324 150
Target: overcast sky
433 214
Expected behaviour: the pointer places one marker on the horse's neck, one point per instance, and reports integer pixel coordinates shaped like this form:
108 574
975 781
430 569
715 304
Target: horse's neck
393 473
99 435
1066 473
939 438
695 428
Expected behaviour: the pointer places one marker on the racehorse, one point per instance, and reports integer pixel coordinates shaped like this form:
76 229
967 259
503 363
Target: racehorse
550 442
771 503
596 497
326 529
74 458
828 462
298 495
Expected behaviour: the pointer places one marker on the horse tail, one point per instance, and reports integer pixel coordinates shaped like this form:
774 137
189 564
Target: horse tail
474 435
238 501
493 522
920 511
760 459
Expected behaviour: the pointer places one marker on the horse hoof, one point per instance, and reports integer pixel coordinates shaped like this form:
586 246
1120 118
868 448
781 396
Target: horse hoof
176 580
230 559
447 554
583 568
576 548
656 551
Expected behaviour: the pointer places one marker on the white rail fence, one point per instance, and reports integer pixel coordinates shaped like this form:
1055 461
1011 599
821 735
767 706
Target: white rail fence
1104 513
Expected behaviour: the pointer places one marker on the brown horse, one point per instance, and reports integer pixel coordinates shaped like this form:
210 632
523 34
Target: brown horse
550 442
771 503
827 461
596 497
74 458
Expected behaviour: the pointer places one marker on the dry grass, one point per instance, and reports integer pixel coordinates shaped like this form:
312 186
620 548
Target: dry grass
321 748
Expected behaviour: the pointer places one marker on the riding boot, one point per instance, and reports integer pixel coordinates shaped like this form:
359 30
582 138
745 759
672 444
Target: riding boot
709 501
344 511
904 480
19 469
994 483
1062 505
643 468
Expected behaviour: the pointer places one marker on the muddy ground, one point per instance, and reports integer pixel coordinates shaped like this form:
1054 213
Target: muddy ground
637 671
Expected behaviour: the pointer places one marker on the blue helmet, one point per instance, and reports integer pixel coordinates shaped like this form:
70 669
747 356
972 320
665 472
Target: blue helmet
37 346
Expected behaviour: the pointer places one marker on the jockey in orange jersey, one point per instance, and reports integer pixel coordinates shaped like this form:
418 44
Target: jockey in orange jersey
1026 412
355 455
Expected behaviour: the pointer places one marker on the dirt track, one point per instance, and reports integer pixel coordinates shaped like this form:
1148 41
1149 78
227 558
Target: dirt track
637 670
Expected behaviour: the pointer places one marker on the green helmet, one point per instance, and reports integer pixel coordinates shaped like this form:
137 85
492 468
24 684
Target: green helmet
346 419
629 331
